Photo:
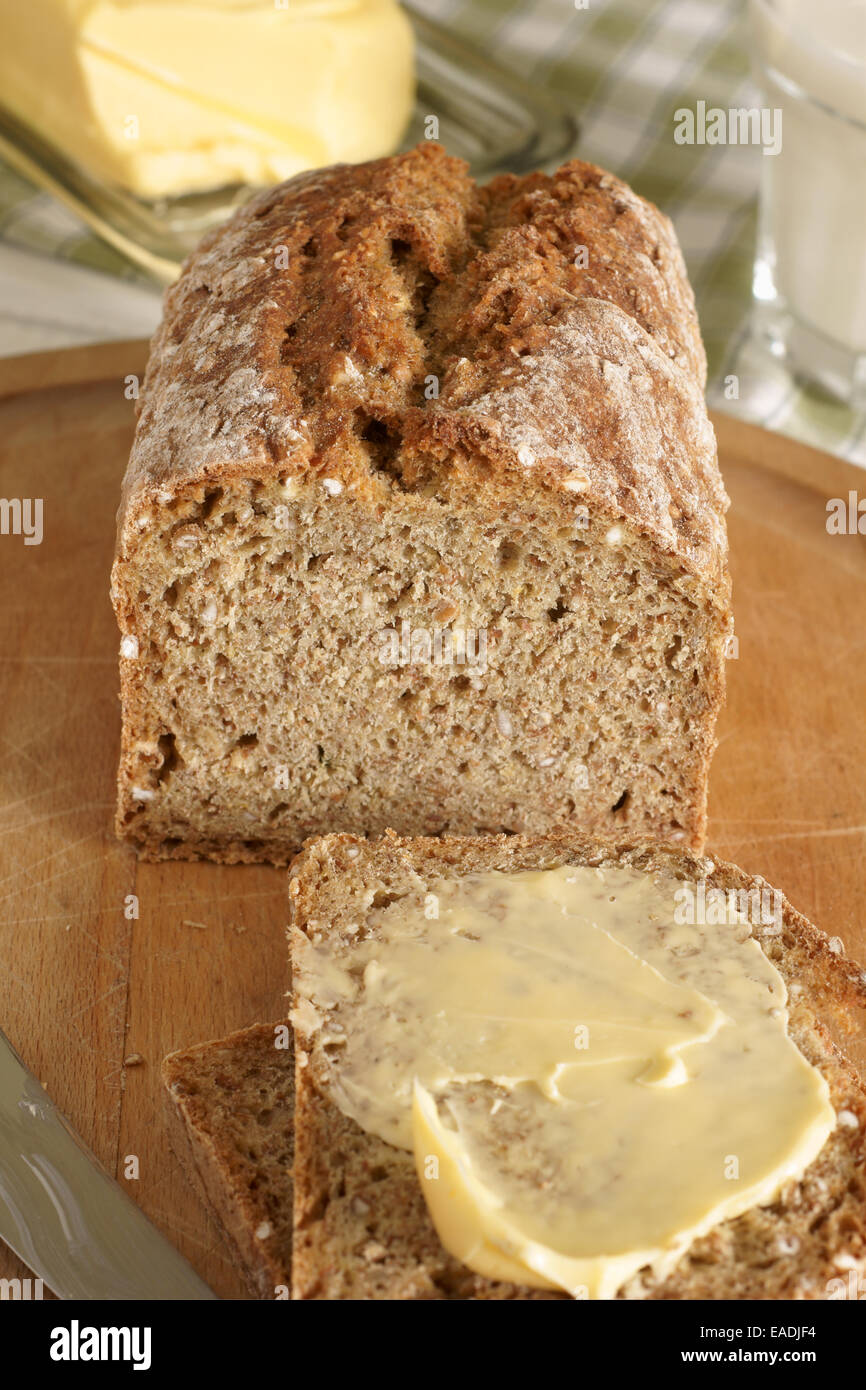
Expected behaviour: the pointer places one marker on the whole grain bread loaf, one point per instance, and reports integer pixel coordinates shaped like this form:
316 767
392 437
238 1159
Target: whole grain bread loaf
361 1224
423 525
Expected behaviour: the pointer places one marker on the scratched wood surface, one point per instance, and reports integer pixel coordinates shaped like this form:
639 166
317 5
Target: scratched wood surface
83 989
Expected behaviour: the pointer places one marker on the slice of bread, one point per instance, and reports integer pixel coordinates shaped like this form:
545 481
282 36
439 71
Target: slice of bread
232 1117
423 525
361 1225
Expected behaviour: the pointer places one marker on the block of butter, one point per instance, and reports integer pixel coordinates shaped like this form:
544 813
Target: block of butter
167 97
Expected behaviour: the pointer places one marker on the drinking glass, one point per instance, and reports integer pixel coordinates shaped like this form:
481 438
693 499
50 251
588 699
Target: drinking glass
810 269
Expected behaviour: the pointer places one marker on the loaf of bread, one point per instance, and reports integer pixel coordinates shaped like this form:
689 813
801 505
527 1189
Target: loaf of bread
362 1229
232 1125
423 525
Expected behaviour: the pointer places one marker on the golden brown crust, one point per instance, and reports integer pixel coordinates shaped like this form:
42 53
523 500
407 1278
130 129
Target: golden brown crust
581 232
813 1234
288 334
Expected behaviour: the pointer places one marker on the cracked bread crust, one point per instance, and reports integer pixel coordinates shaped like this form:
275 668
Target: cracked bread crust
330 301
361 1225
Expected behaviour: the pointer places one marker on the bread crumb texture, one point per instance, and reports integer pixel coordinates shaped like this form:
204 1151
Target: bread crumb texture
231 1104
388 408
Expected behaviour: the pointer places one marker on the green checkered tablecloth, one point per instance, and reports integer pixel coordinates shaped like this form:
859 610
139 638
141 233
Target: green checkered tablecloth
625 66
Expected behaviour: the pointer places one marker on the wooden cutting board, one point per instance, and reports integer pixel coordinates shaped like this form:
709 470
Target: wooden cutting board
83 989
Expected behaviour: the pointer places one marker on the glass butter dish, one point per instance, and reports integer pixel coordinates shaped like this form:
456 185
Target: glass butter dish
476 108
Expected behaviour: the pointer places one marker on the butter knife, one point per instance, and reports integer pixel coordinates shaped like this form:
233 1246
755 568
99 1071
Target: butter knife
63 1214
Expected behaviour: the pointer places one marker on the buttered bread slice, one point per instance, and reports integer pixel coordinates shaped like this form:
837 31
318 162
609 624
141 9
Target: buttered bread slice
546 1067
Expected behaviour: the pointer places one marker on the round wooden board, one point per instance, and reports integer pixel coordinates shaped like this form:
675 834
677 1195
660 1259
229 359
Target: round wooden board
82 987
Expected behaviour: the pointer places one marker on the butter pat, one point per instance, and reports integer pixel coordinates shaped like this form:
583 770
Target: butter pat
173 96
587 1084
